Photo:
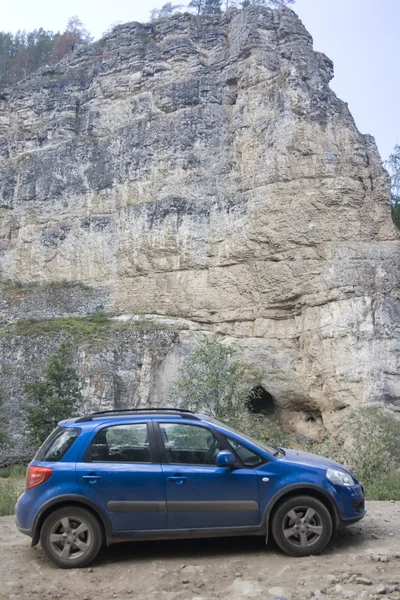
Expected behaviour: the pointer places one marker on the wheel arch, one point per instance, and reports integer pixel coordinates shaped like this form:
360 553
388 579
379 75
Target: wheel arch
69 500
301 490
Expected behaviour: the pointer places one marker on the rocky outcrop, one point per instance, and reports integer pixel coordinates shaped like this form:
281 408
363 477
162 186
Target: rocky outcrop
202 168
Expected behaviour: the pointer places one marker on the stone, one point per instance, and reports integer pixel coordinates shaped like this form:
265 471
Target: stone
191 570
208 175
333 579
363 581
277 592
242 588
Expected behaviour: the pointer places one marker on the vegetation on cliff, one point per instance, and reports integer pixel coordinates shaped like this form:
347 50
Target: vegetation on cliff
24 52
215 380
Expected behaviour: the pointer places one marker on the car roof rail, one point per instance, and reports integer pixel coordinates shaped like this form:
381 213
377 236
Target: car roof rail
184 413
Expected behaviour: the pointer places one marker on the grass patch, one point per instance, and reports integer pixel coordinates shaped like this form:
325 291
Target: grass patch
16 471
25 287
384 487
12 483
97 325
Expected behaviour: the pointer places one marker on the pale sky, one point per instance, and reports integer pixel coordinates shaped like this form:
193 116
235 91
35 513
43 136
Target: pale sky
360 36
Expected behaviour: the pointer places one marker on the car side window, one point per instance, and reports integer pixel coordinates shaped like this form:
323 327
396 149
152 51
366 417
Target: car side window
248 457
189 444
121 443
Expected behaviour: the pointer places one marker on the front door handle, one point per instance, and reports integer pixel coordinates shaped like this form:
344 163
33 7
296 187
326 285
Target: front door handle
178 479
91 478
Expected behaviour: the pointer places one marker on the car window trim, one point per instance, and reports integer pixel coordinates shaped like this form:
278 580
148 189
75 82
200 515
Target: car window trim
263 459
220 438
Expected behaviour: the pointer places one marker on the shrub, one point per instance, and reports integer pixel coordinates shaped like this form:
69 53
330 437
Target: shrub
370 449
4 438
9 492
215 380
15 471
11 485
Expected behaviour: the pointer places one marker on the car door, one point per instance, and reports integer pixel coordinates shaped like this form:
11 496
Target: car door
200 494
119 473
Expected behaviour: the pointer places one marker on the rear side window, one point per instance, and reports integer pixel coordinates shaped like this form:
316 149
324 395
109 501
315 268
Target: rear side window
121 443
57 444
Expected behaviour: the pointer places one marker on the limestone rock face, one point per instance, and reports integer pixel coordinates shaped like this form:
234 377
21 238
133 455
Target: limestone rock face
202 168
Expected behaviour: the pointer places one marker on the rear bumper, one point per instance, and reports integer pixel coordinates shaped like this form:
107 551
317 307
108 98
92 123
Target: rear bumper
24 531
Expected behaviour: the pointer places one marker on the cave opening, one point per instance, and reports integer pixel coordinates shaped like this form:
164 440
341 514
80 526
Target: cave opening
314 416
261 402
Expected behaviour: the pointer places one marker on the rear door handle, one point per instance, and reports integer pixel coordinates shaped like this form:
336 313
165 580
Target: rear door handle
178 479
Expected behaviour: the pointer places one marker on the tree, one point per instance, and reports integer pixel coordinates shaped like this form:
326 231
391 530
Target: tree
74 36
215 379
231 4
167 10
278 3
23 53
271 3
212 7
197 6
54 398
393 165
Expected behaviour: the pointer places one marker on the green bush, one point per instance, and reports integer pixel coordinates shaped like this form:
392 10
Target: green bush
369 447
12 481
16 471
54 398
4 437
215 380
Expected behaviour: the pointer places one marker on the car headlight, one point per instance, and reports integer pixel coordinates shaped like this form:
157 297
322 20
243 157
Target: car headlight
339 477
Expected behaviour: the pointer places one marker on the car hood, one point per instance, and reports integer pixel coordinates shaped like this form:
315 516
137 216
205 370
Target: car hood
311 460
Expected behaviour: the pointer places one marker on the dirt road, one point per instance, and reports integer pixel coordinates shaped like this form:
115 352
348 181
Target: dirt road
362 561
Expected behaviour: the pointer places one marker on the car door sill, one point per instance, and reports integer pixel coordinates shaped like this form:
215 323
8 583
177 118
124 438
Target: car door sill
173 534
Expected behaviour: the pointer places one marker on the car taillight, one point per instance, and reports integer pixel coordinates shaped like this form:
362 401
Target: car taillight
37 475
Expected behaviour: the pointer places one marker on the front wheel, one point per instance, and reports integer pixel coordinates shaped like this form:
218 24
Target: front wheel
71 537
302 526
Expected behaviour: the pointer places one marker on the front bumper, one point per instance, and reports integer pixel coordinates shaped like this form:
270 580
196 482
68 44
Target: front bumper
346 522
352 505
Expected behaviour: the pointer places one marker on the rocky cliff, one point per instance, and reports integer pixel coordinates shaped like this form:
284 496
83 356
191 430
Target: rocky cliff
203 169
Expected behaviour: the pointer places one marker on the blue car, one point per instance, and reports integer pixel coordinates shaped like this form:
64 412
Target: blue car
164 473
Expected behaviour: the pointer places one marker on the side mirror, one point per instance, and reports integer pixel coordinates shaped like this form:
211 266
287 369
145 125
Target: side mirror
225 458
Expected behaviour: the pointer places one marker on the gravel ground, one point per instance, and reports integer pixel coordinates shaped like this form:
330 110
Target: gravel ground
362 561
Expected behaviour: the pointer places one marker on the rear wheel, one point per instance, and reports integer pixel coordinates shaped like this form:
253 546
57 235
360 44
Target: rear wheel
302 526
71 537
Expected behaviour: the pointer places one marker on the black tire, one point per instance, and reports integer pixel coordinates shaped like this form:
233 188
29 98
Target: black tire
302 526
71 537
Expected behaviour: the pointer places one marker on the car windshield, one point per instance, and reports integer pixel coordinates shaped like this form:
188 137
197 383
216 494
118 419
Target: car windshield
247 438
